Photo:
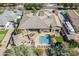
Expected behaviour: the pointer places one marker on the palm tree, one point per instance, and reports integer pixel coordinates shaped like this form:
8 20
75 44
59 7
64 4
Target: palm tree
35 5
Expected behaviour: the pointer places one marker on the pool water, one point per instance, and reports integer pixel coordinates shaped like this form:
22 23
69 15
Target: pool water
45 39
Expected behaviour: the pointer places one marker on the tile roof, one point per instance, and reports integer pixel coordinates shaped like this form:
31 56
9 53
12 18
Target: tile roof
35 22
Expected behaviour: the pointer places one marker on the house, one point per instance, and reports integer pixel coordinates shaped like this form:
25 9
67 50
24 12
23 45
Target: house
74 19
36 30
8 19
38 23
43 25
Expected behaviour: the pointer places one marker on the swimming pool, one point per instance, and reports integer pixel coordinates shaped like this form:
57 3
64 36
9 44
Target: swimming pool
46 39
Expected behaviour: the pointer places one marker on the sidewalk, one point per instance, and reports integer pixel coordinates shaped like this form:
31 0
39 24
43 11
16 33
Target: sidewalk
5 41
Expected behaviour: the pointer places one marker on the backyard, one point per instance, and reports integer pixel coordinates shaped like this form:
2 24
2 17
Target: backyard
2 34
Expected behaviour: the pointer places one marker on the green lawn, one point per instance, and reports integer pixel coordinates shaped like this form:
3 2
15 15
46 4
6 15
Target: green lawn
2 34
1 11
59 39
77 11
65 11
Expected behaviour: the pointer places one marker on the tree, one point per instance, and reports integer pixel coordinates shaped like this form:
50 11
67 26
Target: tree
73 44
9 4
63 49
21 50
65 5
31 5
71 5
39 52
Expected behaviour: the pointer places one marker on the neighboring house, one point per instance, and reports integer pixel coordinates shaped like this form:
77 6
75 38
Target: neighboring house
38 23
8 19
74 19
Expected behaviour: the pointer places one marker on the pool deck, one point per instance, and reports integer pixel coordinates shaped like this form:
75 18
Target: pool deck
34 36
